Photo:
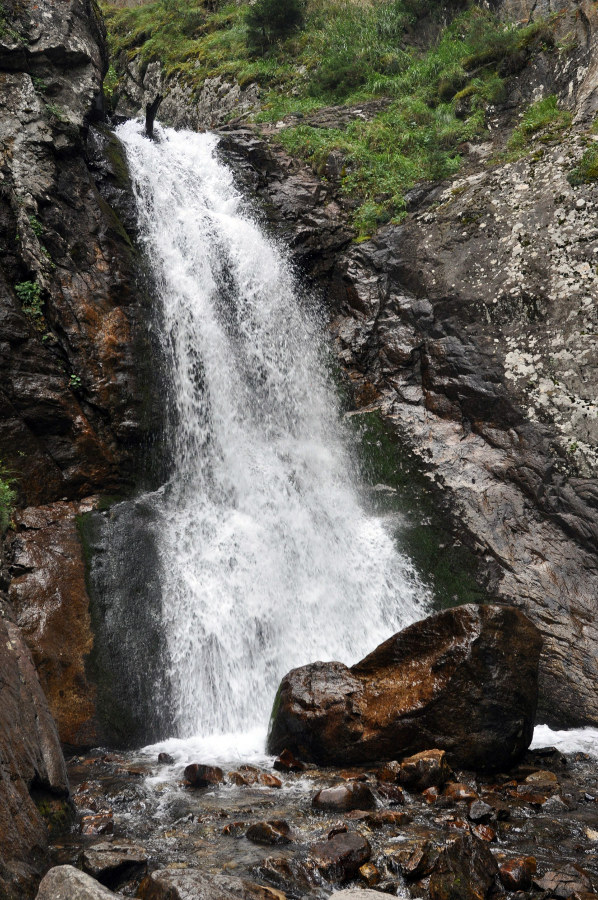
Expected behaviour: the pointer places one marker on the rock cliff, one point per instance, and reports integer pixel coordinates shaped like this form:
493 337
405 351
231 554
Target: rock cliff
75 406
72 406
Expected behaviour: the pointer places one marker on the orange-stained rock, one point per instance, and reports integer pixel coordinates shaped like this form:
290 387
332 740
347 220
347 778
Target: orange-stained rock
464 680
52 608
268 780
517 874
459 792
424 770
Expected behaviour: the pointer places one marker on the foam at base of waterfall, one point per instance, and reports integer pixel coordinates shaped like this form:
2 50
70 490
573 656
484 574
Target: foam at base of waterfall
248 747
233 748
573 740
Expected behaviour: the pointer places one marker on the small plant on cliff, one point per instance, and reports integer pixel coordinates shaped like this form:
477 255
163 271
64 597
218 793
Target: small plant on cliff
586 170
543 118
29 293
7 498
36 226
269 21
75 382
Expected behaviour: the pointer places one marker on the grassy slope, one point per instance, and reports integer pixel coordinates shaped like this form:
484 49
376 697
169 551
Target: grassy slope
347 53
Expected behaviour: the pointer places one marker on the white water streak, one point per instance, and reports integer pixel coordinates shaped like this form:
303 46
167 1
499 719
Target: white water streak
270 559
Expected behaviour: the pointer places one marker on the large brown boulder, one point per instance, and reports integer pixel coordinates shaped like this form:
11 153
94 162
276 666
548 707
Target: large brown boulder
464 680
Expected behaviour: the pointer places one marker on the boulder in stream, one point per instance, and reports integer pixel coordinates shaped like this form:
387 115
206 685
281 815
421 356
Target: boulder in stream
464 680
63 882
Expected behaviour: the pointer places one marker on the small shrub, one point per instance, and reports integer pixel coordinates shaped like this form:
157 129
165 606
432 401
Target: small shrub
36 226
56 111
586 171
8 495
338 76
75 382
29 293
269 21
540 116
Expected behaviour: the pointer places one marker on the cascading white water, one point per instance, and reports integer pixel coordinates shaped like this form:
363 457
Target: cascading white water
270 559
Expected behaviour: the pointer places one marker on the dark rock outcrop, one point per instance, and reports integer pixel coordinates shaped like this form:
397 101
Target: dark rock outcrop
32 769
114 862
71 396
464 681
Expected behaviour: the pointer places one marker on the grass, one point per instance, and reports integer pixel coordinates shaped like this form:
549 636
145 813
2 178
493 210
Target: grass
348 53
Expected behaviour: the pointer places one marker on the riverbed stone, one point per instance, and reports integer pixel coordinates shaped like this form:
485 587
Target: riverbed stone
68 883
345 797
465 870
111 862
340 857
272 832
201 776
195 884
424 770
287 762
564 882
463 681
516 874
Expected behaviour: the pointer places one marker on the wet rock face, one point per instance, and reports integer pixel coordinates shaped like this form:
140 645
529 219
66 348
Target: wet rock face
31 766
70 319
464 681
49 597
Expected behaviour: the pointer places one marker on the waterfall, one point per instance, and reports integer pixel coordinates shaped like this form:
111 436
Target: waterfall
269 555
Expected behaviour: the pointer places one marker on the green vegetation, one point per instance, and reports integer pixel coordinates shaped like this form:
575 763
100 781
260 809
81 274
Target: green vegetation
29 293
341 52
7 31
586 170
270 21
36 226
75 382
39 84
8 496
56 111
543 116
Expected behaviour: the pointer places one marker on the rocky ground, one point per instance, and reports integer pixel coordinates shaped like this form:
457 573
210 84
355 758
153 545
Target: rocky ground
409 831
